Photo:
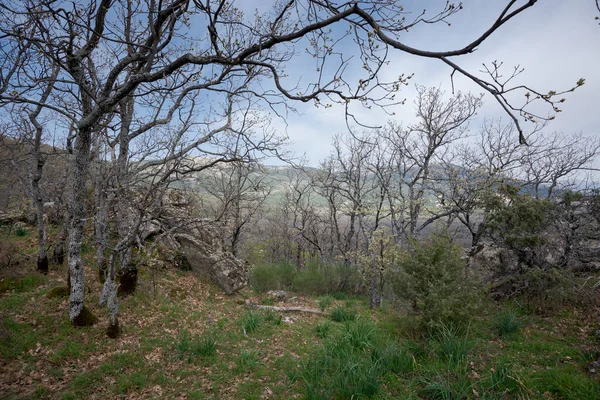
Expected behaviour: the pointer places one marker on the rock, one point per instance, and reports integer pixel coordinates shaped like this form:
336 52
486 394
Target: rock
593 368
277 295
228 271
488 259
148 229
53 212
192 243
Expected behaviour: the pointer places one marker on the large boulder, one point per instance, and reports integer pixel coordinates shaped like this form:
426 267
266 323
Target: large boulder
195 242
229 272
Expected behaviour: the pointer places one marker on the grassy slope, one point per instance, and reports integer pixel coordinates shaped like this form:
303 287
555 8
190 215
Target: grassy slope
161 353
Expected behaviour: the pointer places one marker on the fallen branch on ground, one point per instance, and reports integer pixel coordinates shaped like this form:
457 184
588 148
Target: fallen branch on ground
284 309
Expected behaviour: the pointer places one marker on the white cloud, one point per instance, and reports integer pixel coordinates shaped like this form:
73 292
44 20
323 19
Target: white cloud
557 42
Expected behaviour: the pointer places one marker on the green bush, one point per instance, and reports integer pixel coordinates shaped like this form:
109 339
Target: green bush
432 278
312 280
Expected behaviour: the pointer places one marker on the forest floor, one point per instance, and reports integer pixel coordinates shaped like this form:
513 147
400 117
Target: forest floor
182 338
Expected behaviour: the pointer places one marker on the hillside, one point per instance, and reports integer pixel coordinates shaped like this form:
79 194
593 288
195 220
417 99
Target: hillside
182 338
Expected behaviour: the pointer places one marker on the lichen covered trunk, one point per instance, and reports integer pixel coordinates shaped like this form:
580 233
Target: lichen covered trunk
42 256
101 222
110 300
76 270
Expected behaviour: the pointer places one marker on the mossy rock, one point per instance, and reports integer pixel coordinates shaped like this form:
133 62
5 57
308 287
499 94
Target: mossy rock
85 318
58 292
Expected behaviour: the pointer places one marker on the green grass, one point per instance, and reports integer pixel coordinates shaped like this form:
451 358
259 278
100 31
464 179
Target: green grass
25 284
325 302
189 345
503 379
507 323
453 344
251 321
21 232
322 329
247 359
192 348
342 314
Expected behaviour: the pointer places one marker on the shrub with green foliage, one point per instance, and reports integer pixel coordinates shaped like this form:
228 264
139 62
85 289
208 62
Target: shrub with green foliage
518 221
267 277
432 278
525 226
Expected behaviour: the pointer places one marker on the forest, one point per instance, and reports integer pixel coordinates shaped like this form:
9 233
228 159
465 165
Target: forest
160 238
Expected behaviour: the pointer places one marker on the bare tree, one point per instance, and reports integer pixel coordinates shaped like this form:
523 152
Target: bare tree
552 161
238 192
102 64
415 151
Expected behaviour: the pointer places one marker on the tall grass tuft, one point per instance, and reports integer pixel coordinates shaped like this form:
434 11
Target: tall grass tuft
507 323
251 321
342 314
453 344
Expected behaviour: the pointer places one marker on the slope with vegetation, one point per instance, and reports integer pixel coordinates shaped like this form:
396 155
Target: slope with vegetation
182 338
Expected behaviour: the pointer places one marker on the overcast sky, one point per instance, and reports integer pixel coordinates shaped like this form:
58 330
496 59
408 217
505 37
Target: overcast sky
556 42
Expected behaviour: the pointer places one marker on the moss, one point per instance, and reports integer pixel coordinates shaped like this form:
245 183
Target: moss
113 330
58 292
42 265
85 318
128 282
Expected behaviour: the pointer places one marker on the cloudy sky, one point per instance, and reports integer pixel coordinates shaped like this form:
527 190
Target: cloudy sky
556 42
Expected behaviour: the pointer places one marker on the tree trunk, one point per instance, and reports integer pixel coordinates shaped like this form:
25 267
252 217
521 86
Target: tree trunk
110 299
374 295
42 257
100 220
76 270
